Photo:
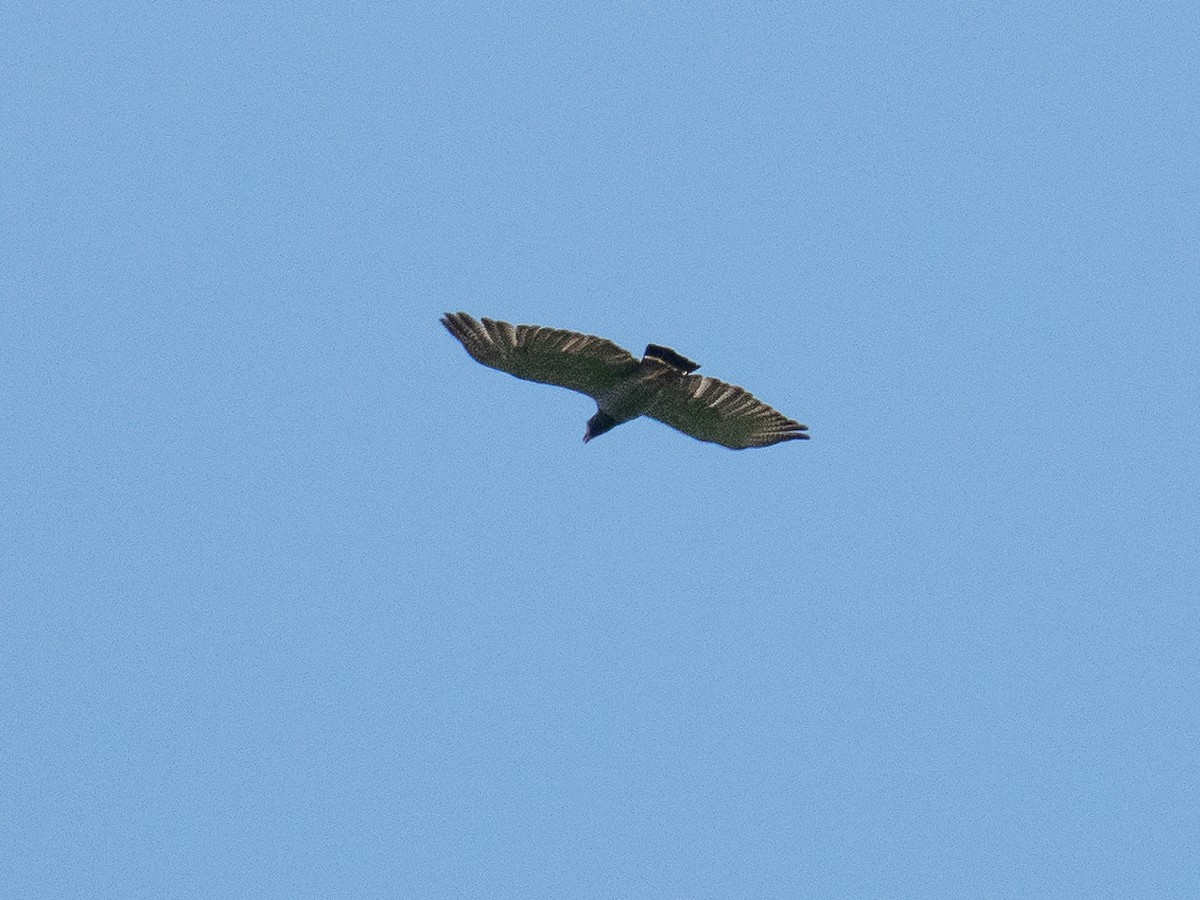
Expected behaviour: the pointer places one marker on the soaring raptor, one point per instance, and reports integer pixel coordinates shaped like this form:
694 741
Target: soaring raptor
659 385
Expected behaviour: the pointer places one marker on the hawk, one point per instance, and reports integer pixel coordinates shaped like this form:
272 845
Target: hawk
659 385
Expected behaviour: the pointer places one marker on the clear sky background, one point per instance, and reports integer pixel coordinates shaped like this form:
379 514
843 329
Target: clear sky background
300 601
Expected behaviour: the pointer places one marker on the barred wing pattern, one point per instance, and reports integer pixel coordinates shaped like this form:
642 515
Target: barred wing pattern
711 410
580 362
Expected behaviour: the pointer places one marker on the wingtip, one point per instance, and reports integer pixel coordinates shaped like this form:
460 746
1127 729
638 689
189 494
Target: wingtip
458 323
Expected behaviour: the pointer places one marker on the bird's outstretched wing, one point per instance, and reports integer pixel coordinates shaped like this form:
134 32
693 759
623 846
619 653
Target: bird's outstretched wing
581 362
725 414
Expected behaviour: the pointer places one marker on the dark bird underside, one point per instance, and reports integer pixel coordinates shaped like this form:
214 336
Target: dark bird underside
659 385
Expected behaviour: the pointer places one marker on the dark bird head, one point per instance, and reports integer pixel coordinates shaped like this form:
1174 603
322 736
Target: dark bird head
597 425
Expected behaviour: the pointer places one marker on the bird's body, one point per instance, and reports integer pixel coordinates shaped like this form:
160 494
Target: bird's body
634 396
659 385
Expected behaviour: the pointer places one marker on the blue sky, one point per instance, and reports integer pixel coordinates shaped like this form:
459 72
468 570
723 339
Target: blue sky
298 600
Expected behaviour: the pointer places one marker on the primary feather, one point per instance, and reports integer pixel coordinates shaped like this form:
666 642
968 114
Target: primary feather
660 385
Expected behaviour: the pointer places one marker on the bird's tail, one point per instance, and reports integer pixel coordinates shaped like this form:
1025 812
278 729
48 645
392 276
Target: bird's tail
670 357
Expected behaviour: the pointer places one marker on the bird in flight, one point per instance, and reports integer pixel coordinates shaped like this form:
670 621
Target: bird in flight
659 385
